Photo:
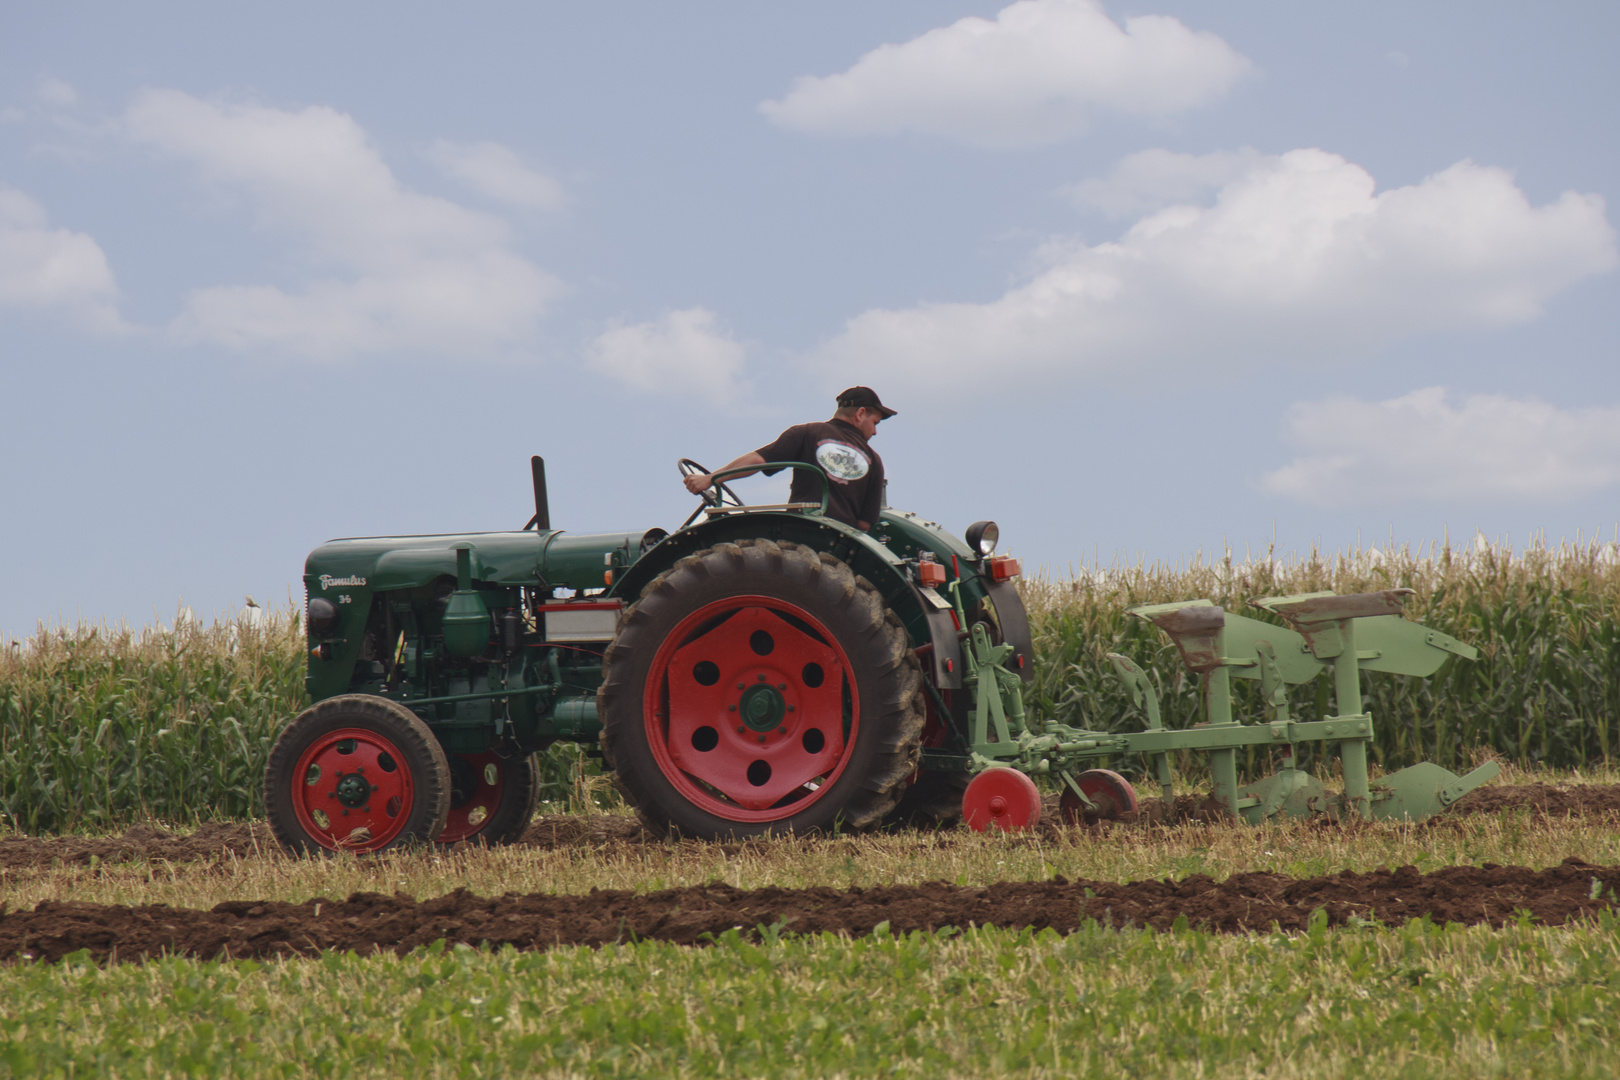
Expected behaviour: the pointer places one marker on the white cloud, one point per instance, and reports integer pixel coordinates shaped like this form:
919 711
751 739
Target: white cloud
53 269
1153 179
1421 447
406 272
682 353
495 172
57 94
1032 75
1298 259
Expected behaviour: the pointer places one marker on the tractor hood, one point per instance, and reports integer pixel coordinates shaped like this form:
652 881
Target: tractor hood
526 558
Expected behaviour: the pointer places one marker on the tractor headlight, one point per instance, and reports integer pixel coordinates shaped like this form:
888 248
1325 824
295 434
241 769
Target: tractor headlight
982 537
322 617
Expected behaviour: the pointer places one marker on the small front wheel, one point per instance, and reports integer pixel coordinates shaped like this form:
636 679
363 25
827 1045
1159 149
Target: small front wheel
492 798
356 773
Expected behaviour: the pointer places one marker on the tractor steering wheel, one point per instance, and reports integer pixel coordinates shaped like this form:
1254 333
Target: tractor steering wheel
716 494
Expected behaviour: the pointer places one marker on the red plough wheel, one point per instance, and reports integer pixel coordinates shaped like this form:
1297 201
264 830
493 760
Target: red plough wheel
1112 795
355 795
749 710
1003 799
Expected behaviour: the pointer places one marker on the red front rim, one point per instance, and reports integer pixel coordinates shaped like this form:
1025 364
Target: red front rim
751 709
484 777
352 790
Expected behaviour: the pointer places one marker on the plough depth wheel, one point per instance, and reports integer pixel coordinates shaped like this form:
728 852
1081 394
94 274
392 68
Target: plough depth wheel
356 773
1003 799
760 687
1112 797
492 798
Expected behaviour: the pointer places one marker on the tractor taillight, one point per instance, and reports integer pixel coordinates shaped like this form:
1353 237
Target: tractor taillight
1004 568
930 574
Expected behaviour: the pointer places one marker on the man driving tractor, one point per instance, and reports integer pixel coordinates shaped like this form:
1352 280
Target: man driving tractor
841 446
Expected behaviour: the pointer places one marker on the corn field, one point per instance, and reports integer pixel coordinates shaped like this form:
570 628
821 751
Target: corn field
100 727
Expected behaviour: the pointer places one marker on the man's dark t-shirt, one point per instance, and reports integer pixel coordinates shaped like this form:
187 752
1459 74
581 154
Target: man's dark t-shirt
842 451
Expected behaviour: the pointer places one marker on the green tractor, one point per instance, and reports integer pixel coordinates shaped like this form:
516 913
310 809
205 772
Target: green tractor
768 669
762 669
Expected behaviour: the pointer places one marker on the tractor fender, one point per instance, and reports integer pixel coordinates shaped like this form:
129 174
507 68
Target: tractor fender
1014 620
926 623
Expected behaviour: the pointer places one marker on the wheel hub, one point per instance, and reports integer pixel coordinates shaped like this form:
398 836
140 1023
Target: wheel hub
352 790
762 707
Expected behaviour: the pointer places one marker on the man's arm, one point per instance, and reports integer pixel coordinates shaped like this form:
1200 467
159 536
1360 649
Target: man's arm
698 483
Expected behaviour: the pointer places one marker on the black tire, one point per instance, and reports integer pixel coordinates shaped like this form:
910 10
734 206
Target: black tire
409 766
489 812
818 603
933 802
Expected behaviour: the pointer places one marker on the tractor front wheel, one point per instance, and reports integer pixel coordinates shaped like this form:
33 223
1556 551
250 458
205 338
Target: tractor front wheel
492 798
356 773
760 687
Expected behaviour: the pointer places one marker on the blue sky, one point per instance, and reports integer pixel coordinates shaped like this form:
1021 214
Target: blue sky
1142 281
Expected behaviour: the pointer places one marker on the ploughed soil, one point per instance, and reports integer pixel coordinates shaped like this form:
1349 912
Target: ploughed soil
371 922
224 842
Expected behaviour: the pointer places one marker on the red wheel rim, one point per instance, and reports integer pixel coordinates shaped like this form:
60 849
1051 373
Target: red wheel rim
1112 793
351 790
750 708
487 780
1002 799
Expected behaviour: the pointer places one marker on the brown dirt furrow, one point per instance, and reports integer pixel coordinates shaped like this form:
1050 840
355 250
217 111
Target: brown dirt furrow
370 922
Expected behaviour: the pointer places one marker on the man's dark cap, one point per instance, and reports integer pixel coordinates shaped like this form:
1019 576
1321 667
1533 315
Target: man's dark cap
859 397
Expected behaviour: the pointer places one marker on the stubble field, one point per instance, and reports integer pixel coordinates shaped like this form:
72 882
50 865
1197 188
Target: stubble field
1481 943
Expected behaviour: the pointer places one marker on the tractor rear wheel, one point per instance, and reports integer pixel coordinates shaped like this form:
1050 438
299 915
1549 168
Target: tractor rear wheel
492 798
356 773
760 687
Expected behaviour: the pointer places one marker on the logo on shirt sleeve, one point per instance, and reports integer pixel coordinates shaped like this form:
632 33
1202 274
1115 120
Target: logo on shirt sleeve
842 461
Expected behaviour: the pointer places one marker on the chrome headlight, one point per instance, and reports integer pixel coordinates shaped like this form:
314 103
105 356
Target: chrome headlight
982 537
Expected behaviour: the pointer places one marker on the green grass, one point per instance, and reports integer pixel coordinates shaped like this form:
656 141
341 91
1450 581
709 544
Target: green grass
1412 1001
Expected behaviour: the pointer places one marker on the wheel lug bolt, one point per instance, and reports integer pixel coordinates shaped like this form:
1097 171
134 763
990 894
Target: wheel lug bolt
781 731
733 708
742 686
741 730
781 686
790 708
345 813
762 738
762 678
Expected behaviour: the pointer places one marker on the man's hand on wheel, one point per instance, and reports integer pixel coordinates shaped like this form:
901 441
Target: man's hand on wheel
698 483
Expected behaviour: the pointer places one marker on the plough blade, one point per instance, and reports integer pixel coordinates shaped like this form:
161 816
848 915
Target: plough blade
1291 793
1423 790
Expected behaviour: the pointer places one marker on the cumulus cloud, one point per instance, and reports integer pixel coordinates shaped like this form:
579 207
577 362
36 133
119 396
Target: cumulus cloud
1032 75
681 353
1153 179
1422 447
55 270
495 172
1298 259
397 270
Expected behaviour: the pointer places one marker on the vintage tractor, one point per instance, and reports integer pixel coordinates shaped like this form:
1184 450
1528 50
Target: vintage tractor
766 669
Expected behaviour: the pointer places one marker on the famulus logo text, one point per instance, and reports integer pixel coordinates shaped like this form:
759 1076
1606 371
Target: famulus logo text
327 581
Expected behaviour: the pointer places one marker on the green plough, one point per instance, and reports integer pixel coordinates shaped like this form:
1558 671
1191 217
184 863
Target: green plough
1339 635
